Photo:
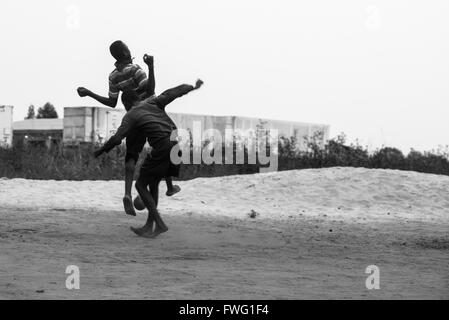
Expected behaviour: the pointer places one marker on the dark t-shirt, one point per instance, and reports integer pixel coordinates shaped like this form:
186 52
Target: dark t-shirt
149 120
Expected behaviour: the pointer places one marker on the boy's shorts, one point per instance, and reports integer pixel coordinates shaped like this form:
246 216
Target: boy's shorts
134 145
158 163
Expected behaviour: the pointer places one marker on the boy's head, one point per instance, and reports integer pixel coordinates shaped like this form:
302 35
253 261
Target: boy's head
120 51
130 99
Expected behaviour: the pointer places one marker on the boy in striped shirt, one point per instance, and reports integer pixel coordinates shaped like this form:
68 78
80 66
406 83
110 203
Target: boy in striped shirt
128 77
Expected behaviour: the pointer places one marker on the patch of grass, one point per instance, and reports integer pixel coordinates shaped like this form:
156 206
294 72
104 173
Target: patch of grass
78 163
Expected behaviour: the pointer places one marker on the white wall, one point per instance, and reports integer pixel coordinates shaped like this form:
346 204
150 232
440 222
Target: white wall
93 124
90 124
6 114
220 123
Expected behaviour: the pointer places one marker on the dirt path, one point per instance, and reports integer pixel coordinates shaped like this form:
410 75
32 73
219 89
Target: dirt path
204 257
314 234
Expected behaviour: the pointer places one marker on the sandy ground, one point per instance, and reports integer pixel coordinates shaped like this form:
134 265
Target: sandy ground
313 234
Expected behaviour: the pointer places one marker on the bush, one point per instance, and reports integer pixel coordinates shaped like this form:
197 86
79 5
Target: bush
338 154
69 163
78 163
391 158
427 162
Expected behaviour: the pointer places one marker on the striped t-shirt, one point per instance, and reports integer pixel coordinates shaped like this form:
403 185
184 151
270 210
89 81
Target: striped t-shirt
128 77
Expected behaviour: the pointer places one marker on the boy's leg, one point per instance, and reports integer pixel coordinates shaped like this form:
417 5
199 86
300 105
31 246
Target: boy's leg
171 189
153 215
134 145
154 190
130 166
171 94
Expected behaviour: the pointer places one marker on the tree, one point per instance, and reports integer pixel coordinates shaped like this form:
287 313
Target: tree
31 113
48 111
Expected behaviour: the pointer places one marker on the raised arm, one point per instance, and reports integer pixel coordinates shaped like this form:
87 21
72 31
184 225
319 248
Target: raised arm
151 82
169 95
116 139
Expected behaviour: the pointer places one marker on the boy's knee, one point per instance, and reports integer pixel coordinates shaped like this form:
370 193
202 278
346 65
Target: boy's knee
141 184
154 181
130 165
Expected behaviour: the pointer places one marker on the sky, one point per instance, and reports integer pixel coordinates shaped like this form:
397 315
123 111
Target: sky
376 70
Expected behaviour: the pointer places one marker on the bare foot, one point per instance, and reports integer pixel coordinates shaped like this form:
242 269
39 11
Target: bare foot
155 233
198 83
173 191
148 233
137 231
142 230
148 227
128 204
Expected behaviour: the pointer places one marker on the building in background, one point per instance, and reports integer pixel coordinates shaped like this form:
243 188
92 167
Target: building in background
90 124
244 125
43 132
6 113
97 124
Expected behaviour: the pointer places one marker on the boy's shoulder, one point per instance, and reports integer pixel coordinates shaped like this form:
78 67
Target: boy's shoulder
127 69
130 115
150 100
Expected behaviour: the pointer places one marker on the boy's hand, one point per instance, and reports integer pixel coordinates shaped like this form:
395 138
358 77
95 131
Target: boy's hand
82 92
198 83
149 60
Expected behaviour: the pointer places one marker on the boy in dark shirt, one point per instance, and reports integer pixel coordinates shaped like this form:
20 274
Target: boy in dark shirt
129 77
151 121
135 141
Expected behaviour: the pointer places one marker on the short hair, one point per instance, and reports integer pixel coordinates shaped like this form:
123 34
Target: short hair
129 99
118 50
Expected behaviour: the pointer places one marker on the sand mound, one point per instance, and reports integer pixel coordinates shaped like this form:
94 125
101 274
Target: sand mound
341 192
